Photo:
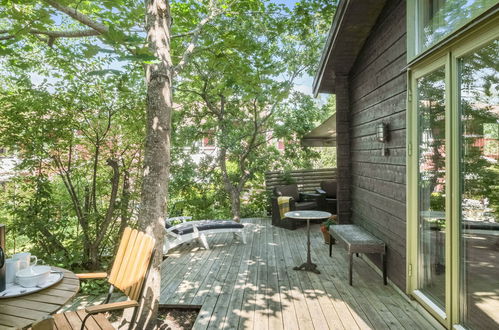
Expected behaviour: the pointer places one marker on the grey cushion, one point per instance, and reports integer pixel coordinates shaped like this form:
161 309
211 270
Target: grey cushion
306 205
357 239
290 190
329 186
187 227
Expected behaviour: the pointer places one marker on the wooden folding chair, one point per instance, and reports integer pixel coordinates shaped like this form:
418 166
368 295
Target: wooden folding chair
129 271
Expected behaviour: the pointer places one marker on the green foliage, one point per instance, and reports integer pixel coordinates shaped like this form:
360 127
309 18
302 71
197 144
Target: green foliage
67 133
94 287
69 105
238 91
287 177
329 222
437 202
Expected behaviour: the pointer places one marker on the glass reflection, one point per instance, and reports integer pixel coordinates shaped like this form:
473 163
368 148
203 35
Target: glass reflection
431 185
479 107
438 18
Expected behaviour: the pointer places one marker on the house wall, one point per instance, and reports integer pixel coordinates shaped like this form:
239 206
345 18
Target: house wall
343 155
377 93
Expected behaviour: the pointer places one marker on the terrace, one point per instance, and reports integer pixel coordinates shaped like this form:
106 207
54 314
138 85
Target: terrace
254 286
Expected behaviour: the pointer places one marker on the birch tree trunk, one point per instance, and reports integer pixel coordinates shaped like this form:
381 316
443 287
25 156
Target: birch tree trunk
157 151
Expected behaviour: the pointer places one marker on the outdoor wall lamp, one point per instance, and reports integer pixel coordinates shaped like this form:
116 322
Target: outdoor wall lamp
382 136
381 132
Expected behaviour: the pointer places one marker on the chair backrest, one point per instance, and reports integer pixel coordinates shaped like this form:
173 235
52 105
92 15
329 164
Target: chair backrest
329 186
290 190
132 262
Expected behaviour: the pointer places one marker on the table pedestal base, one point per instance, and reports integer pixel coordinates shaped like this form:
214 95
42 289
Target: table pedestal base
311 267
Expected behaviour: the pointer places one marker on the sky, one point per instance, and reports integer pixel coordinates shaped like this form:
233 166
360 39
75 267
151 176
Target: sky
288 3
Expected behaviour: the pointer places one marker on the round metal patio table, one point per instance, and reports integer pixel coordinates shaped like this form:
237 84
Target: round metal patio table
21 312
308 215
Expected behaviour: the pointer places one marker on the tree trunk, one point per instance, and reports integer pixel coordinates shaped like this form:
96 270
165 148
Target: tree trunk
157 151
235 204
230 188
93 257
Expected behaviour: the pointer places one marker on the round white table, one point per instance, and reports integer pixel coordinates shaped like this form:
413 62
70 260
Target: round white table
308 215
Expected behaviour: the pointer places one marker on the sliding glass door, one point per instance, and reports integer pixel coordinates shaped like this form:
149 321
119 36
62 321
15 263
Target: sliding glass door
479 182
453 182
431 184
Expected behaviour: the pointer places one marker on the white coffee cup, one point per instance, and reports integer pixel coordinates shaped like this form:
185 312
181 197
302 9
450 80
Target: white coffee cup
12 266
25 259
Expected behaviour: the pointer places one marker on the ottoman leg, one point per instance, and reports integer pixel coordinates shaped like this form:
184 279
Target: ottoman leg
330 244
383 261
350 257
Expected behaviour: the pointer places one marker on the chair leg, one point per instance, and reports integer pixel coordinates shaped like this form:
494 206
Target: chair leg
110 292
84 320
202 238
243 235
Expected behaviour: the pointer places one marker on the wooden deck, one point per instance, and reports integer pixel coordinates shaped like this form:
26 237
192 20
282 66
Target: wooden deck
253 286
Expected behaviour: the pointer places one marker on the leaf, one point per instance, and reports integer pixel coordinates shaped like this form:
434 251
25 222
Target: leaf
91 50
104 72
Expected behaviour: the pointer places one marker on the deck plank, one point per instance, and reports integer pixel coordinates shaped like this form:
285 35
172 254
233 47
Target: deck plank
190 279
274 295
297 242
303 315
224 309
216 292
220 310
365 315
328 306
234 309
246 317
287 300
261 308
254 285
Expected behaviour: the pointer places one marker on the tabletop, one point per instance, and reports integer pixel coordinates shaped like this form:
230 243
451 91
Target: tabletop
307 215
21 312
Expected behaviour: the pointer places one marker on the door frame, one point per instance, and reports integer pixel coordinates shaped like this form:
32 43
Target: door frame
431 64
448 57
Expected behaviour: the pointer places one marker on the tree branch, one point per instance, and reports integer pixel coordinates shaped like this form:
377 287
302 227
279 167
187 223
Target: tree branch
115 181
214 12
82 18
67 34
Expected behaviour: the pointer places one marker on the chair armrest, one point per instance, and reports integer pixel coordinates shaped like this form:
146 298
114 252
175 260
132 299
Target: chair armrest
85 276
111 307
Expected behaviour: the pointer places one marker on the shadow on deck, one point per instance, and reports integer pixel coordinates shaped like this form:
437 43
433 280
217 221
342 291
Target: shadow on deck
254 285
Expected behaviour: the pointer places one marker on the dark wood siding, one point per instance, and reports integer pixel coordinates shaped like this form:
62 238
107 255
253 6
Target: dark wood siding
377 87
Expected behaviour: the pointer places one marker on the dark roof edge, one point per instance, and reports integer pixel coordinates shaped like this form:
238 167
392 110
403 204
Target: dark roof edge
351 27
333 32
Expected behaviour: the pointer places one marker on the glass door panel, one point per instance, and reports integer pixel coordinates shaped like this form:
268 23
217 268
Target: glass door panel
479 180
431 185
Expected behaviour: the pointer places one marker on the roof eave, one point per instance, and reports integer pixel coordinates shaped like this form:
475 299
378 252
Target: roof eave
346 37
